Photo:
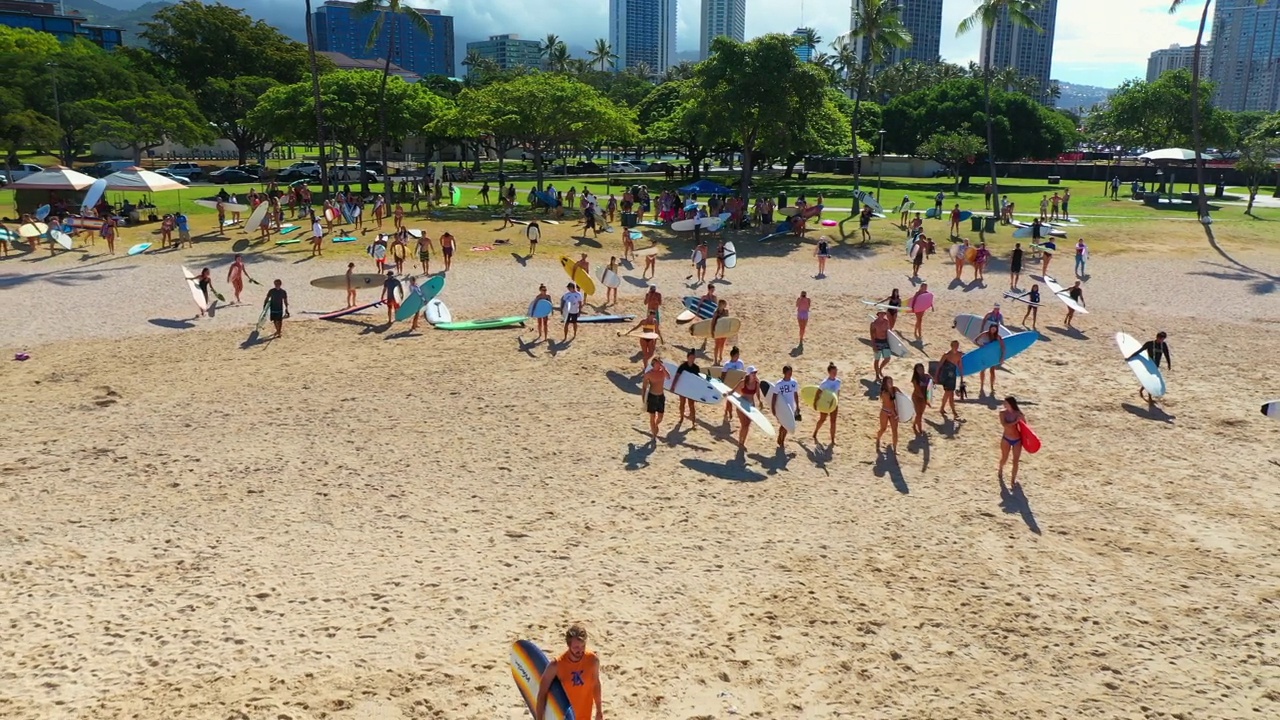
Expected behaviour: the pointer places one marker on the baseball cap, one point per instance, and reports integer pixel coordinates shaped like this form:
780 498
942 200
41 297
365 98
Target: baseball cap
751 369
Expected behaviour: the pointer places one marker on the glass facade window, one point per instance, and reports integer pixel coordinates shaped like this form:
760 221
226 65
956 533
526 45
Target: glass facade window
338 28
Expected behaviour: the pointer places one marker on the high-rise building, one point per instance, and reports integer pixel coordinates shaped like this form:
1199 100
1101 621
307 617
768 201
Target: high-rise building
727 18
339 28
1244 62
508 51
803 51
923 19
1027 50
46 17
643 31
1175 57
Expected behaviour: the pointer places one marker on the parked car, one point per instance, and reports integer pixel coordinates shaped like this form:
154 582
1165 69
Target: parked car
374 167
351 174
254 169
171 176
661 167
622 166
232 176
17 172
4 179
191 171
300 170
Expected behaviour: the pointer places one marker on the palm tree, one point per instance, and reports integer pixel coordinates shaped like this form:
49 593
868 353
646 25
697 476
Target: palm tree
641 69
558 58
549 46
395 9
988 13
315 92
602 55
878 23
808 38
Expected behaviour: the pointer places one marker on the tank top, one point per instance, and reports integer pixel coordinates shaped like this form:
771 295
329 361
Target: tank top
750 387
578 681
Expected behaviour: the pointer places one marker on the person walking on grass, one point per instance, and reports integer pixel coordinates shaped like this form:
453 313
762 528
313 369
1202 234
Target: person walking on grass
955 220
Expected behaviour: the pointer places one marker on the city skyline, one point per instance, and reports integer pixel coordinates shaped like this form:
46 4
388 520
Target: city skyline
721 18
1245 59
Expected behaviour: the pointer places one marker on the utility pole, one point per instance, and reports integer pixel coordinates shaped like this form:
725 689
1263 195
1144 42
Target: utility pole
57 116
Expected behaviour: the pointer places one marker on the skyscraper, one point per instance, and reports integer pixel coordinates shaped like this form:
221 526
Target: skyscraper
339 29
923 19
726 18
508 51
1175 57
1244 60
1026 50
803 51
643 31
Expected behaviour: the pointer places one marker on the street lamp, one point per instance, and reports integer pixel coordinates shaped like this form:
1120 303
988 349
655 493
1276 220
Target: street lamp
880 165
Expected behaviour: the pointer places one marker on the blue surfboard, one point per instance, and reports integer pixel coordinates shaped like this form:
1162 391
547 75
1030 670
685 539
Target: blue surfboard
415 301
702 308
528 662
988 356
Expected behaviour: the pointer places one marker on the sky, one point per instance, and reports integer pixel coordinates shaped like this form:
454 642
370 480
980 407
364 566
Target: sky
1098 42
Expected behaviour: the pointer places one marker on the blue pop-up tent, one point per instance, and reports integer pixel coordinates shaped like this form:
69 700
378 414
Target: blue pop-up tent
706 187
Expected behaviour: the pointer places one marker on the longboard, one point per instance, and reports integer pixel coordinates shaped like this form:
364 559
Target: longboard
527 664
1143 368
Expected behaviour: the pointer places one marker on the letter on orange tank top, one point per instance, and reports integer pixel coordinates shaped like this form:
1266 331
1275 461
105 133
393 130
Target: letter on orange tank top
579 682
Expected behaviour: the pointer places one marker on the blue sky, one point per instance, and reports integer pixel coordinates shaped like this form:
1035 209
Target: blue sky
1099 42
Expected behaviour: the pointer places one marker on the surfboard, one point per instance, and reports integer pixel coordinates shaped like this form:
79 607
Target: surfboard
262 318
746 407
1272 409
137 249
330 214
437 312
906 408
227 206
988 356
1022 298
709 223
257 217
609 278
484 323
32 230
722 328
869 199
1030 440
351 310
527 664
730 256
920 303
694 387
645 252
788 211
825 402
1146 371
286 229
85 223
971 326
728 377
94 194
886 306
605 318
965 215
696 257
540 308
1058 290
784 407
685 317
63 239
359 281
897 346
931 212
702 308
578 276
344 239
647 336
1026 231
456 196
289 242
196 295
414 302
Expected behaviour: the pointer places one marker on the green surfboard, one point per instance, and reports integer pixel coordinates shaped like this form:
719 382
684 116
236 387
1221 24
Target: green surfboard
484 324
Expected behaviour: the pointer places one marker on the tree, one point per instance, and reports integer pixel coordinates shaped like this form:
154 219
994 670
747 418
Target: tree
226 60
1158 114
313 67
147 121
396 10
549 45
878 23
813 129
754 87
1256 153
987 14
602 54
675 115
808 38
544 112
952 149
21 127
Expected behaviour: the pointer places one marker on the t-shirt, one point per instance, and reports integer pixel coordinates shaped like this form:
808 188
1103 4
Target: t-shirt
181 220
688 367
832 384
316 229
276 299
389 287
787 388
734 365
572 302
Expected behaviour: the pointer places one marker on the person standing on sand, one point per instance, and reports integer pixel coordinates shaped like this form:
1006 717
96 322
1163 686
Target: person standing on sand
864 223
351 286
205 283
914 303
960 254
544 330
533 231
920 382
424 253
1049 247
748 389
1033 306
787 388
1082 254
446 248
888 412
831 385
700 265
108 234
722 311
414 290
577 669
1015 267
611 293
317 235
570 306
648 346
917 257
1011 420
399 250
734 363
894 301
654 400
650 266
1075 292
236 275
689 367
277 305
980 263
950 367
1155 350
879 332
653 302
802 314
823 251
990 335
390 287
720 259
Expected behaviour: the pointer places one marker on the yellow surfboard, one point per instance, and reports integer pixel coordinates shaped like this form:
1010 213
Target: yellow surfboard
722 328
827 400
578 276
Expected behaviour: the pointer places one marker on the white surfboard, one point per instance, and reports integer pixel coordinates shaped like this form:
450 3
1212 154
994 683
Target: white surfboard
971 326
257 217
94 194
227 206
887 307
437 312
1146 371
609 278
694 387
1272 409
897 346
730 256
1026 231
195 289
869 199
61 238
786 409
906 408
746 407
1058 290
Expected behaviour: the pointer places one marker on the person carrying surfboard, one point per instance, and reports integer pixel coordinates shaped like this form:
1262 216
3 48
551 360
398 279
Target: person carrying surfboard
788 389
950 368
749 390
920 382
920 303
648 345
879 332
390 287
700 258
544 332
888 412
722 311
654 399
831 385
734 363
1155 350
1075 292
1011 420
1033 306
991 334
1048 247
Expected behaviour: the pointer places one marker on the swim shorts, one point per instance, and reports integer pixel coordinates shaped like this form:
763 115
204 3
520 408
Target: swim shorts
655 403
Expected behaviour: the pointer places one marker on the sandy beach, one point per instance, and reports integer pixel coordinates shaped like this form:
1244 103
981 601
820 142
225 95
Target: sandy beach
356 522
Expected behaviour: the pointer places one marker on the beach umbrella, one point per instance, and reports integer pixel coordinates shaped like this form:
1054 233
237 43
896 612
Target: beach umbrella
1173 155
55 178
139 180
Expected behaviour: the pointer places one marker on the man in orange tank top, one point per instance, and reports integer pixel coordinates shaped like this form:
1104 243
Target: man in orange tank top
579 672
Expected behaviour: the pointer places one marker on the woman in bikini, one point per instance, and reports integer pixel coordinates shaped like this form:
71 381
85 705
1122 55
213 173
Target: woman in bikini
950 368
1011 420
802 313
920 382
647 327
720 260
236 275
722 311
894 301
611 293
888 412
823 252
748 389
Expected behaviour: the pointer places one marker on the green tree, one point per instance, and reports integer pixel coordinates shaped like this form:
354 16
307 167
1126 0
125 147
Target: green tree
25 40
1257 151
952 149
147 121
1158 114
548 48
222 56
814 129
675 115
22 127
602 55
544 112
878 24
754 87
313 67
987 14
396 10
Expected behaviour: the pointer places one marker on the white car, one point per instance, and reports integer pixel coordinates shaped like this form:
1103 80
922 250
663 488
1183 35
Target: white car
622 166
351 174
189 170
176 178
17 172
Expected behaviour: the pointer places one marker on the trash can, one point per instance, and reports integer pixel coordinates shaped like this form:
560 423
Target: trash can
1055 179
629 219
991 224
782 199
975 223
